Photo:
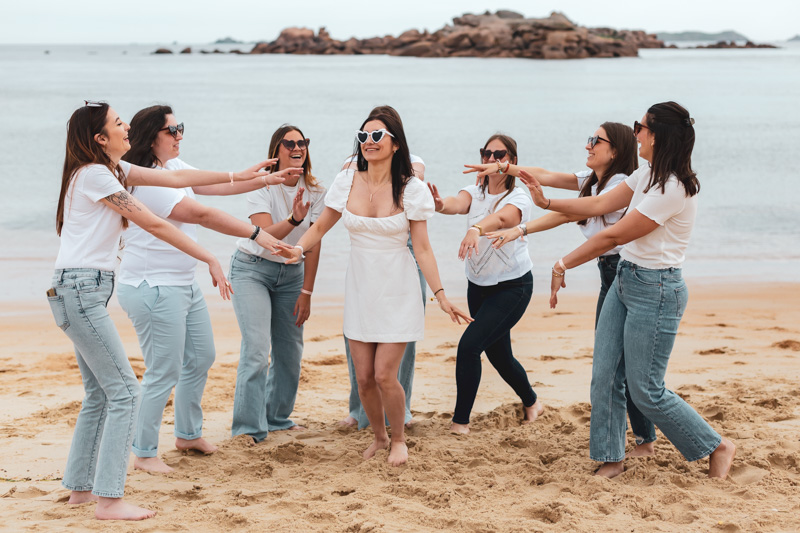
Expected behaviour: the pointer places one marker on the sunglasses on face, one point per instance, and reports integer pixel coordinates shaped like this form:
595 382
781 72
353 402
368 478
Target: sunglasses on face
637 127
376 135
301 144
498 154
594 140
174 130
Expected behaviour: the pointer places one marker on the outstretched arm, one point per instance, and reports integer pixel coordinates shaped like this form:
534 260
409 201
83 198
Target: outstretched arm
508 216
543 223
312 237
587 206
178 179
126 205
241 187
450 205
548 178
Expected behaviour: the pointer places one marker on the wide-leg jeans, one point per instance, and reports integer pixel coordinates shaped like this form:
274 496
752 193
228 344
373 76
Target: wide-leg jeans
634 340
101 444
265 293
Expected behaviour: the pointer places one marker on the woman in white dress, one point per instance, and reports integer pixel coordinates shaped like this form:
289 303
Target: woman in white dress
380 202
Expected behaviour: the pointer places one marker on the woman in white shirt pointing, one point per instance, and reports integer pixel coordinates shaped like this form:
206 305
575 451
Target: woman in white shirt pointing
640 317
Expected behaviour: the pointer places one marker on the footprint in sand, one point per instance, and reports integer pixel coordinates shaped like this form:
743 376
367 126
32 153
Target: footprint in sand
747 474
788 345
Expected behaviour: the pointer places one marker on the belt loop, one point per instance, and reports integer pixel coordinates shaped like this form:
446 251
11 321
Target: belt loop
60 275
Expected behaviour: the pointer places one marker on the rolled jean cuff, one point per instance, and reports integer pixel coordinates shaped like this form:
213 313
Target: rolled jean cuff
186 436
77 488
607 459
706 453
109 494
144 454
643 440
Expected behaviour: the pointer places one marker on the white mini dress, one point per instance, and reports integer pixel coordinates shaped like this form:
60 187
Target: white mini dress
382 296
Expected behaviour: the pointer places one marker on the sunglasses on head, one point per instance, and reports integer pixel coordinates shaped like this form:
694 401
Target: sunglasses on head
174 130
594 140
376 135
498 154
89 103
637 127
301 144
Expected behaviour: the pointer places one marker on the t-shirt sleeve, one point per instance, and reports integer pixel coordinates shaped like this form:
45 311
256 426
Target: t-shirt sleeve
160 200
178 164
633 180
336 197
418 201
521 201
258 201
416 159
99 183
319 204
660 207
582 176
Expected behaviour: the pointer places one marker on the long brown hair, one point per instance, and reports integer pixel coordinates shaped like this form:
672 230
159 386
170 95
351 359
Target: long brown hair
625 161
145 127
509 183
275 144
673 136
83 149
401 161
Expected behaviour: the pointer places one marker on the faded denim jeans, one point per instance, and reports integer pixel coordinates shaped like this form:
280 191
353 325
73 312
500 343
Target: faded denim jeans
642 428
634 340
101 443
265 293
174 330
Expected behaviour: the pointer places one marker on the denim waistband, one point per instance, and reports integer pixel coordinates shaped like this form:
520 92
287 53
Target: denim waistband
609 257
250 258
627 264
73 273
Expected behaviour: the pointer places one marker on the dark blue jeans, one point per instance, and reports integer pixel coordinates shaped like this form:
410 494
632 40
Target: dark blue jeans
495 310
643 429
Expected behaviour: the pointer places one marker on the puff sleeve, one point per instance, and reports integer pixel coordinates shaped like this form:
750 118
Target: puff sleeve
418 201
336 197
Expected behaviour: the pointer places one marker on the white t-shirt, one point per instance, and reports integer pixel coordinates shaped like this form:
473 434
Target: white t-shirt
491 266
672 210
277 202
595 225
91 231
148 258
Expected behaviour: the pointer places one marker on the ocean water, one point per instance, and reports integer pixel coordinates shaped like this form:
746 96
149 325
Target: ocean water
744 102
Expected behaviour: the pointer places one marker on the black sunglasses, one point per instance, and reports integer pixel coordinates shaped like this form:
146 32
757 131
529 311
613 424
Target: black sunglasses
637 127
302 144
498 154
593 140
174 130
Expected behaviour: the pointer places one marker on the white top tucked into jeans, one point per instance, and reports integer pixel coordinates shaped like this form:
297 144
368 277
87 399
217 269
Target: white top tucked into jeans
672 210
595 225
91 231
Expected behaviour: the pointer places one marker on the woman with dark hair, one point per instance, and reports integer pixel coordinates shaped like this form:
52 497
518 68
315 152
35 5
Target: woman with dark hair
612 157
272 299
640 317
380 202
158 290
500 283
93 208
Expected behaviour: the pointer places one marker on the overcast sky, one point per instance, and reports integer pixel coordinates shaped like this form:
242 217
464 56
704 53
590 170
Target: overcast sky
202 21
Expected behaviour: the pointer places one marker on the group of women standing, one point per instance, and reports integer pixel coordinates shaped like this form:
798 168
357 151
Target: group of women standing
637 223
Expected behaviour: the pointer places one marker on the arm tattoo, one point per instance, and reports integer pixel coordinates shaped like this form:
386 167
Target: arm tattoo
123 201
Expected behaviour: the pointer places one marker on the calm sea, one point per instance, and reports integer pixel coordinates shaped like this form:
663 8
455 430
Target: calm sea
744 101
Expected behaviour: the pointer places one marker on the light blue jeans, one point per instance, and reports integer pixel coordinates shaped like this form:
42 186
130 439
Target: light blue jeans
405 374
174 330
265 293
101 444
634 339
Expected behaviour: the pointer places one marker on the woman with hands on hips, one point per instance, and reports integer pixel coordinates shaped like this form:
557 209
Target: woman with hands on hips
639 320
500 283
380 202
273 298
611 158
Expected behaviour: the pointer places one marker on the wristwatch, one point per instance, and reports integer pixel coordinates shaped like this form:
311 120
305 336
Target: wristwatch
290 219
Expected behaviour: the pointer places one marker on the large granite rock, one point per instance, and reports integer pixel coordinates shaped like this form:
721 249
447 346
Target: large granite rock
501 34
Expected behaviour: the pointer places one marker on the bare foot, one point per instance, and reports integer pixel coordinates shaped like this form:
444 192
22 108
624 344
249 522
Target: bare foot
82 496
151 464
116 509
721 459
532 412
349 421
398 454
410 423
643 450
610 470
459 429
377 444
297 428
201 445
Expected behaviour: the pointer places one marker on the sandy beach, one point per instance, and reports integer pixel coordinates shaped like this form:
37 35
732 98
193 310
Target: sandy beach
737 361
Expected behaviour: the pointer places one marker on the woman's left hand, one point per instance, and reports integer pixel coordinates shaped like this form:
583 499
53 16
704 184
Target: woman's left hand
302 309
556 283
256 171
503 236
536 189
280 176
455 313
218 279
483 170
299 208
469 246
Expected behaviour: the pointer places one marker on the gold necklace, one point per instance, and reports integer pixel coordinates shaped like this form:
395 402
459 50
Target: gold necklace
371 192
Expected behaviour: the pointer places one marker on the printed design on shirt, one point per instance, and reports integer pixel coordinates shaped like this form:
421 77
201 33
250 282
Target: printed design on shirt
490 261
